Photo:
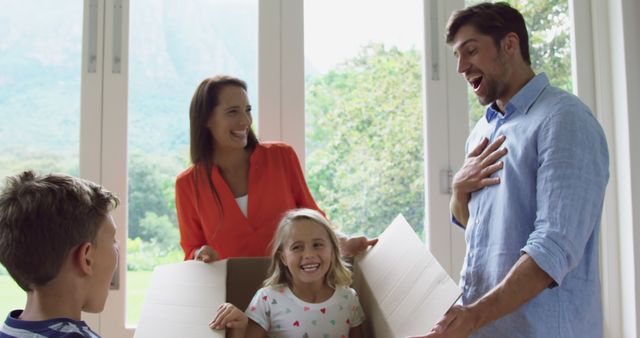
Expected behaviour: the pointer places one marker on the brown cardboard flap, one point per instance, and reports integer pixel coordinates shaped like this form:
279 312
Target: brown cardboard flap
244 278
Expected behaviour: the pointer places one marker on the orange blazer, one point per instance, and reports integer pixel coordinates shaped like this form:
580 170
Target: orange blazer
276 185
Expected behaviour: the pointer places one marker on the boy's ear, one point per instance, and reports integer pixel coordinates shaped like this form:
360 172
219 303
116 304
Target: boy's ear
84 258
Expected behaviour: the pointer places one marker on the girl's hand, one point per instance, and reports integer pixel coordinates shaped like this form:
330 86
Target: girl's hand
205 254
229 316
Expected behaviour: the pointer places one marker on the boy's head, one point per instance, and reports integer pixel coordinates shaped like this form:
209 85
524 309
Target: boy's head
46 221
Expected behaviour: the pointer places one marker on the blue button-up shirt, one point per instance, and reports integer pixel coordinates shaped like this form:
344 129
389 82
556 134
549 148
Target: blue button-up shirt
548 204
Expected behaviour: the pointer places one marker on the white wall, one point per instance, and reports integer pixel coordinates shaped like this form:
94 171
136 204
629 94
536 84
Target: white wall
625 54
616 50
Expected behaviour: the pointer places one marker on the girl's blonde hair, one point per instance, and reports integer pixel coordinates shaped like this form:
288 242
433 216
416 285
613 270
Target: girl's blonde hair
338 274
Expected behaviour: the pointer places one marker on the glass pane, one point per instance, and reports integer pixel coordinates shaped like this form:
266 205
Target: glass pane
364 132
174 45
549 44
40 57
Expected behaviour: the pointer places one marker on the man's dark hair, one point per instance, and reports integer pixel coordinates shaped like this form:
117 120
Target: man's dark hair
493 19
44 218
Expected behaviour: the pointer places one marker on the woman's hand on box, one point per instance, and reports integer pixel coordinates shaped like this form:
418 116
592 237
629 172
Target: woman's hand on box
353 246
205 254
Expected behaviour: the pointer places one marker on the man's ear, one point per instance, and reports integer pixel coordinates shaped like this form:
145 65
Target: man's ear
83 258
511 44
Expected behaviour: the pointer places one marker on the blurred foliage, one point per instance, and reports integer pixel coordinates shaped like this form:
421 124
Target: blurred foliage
151 192
145 256
153 227
160 230
549 44
364 140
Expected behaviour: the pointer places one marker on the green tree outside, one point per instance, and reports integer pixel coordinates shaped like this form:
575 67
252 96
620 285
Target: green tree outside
147 193
364 140
153 227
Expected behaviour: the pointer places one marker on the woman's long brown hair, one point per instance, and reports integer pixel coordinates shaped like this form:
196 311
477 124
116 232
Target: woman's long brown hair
204 100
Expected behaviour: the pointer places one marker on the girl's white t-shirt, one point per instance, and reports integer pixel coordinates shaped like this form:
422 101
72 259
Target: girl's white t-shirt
283 315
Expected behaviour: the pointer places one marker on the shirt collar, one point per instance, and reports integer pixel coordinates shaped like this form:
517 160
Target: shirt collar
523 100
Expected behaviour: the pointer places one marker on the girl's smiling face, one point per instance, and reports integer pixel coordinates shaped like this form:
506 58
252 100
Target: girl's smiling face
307 253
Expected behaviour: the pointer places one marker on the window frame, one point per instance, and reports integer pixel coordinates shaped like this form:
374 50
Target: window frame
103 152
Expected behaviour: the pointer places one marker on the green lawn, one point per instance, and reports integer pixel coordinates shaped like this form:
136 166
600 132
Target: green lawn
12 297
137 284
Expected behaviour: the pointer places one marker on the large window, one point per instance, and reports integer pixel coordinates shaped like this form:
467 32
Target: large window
364 129
40 48
363 82
173 47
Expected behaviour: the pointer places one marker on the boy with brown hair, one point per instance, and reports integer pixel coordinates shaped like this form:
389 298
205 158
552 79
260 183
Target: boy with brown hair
57 241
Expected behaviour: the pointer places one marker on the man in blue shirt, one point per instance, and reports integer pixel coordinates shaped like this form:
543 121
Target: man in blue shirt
529 194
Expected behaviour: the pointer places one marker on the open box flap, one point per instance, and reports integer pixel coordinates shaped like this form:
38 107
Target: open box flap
181 299
412 290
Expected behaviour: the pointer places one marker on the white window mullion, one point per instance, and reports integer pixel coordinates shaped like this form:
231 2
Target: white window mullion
91 90
113 153
281 73
91 102
458 130
292 76
269 73
445 119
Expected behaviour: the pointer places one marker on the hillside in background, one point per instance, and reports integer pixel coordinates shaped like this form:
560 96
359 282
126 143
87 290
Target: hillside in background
173 46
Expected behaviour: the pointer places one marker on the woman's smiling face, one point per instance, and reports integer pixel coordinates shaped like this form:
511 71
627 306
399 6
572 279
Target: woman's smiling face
231 119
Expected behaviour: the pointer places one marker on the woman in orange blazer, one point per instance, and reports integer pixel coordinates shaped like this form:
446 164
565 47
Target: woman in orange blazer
230 200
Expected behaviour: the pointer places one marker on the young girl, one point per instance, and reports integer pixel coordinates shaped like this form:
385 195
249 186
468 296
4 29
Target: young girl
307 293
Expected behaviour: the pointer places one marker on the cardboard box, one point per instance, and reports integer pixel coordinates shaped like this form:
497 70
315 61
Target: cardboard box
401 286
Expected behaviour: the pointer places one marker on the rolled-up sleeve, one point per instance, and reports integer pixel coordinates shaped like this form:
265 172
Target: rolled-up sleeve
572 174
